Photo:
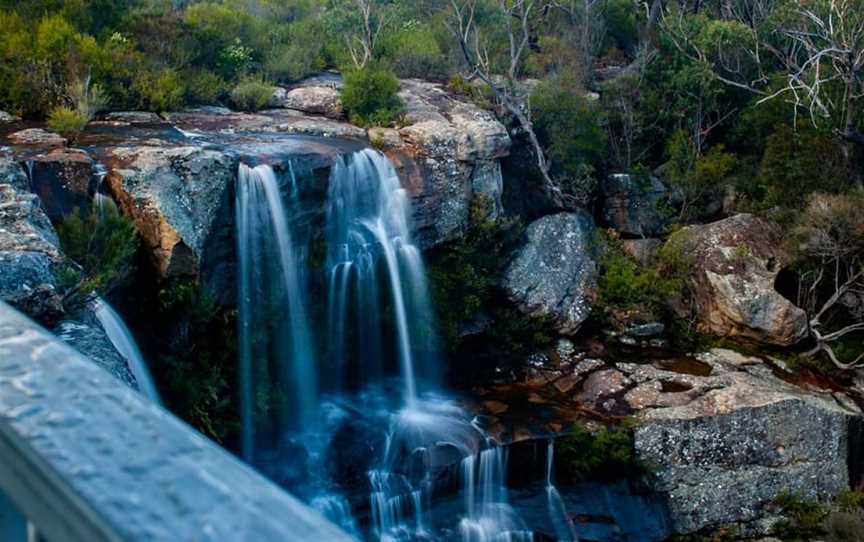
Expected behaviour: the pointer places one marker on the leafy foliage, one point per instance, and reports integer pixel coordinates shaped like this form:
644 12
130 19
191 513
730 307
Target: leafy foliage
369 96
102 243
607 454
252 94
67 121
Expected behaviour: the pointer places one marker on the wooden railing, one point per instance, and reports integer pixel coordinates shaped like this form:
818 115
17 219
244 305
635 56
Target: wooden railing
86 459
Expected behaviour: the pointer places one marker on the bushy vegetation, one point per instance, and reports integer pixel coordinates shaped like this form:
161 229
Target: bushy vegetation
197 374
607 454
369 96
102 243
464 277
252 94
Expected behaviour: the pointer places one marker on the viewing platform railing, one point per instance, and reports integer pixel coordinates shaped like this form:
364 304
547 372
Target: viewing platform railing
86 459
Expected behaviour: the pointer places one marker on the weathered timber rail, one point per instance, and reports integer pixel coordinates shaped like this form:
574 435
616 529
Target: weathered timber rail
86 459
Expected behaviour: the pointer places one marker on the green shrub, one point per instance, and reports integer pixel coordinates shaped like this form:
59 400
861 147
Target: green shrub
413 51
162 90
67 121
102 243
605 455
799 163
369 96
625 286
698 177
198 375
204 87
804 517
252 94
569 126
621 26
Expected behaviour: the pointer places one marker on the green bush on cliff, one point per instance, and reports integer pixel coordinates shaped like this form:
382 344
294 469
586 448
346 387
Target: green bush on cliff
369 96
102 242
198 375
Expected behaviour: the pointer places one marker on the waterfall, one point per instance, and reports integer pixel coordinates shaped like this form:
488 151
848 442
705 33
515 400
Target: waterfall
122 339
565 530
100 200
370 245
488 514
276 349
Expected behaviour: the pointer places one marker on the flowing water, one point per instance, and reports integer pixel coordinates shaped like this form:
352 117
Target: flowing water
124 342
276 349
366 437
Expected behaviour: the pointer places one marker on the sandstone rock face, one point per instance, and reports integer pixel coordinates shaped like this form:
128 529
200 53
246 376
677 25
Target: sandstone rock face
553 275
449 157
176 196
314 99
731 443
28 251
63 180
635 206
735 262
37 136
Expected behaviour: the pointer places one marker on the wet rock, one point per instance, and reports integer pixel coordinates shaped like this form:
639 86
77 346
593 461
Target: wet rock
553 275
90 340
735 263
28 255
6 117
601 386
134 117
37 136
726 447
321 127
635 206
177 197
313 99
63 180
646 331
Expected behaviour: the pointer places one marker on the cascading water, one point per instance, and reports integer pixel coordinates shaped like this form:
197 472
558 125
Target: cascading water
122 339
276 349
369 245
100 200
565 530
378 322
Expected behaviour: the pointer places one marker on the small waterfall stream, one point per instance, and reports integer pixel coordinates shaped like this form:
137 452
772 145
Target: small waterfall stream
124 342
565 530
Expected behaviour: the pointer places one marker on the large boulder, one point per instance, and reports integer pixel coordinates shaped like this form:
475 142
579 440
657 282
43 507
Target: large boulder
735 263
177 196
553 274
313 99
28 251
725 446
635 206
63 179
